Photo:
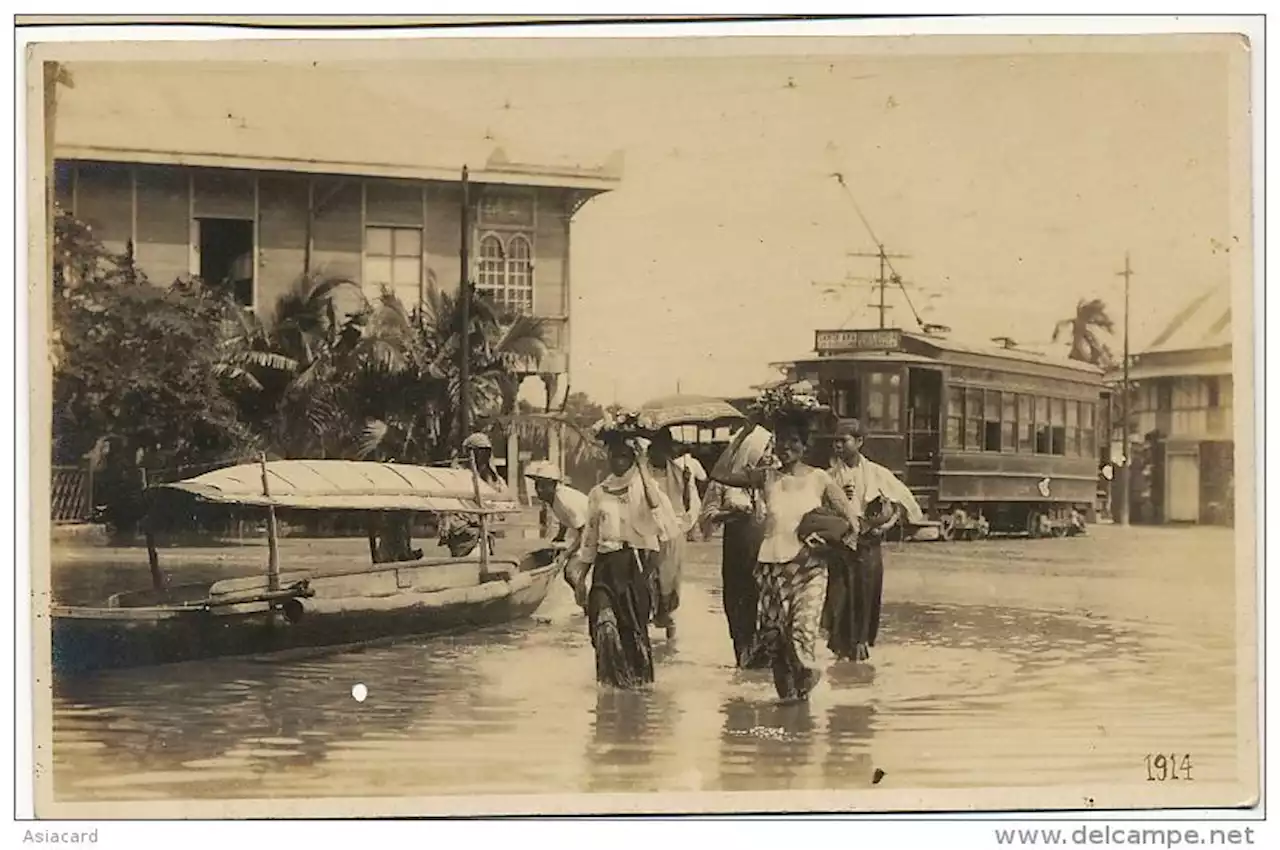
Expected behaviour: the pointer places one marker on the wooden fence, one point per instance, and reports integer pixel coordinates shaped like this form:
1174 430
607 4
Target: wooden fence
71 494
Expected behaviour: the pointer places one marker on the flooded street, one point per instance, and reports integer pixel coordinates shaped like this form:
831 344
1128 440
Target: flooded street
1021 663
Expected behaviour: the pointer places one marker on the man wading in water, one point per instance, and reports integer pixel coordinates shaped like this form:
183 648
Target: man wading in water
851 613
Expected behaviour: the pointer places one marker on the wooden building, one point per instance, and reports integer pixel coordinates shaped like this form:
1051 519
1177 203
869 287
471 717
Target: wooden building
264 173
1181 423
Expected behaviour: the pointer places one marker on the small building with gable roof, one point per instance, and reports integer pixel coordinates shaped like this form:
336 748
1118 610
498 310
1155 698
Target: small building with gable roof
1181 422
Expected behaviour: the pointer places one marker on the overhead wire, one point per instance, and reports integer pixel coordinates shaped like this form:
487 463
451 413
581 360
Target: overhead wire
895 276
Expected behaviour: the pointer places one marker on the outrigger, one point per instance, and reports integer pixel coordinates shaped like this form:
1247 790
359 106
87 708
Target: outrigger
289 610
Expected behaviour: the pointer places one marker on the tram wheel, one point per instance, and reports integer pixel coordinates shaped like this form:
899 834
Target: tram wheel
1034 524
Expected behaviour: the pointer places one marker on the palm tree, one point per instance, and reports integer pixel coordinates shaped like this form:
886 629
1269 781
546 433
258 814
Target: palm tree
503 351
1086 344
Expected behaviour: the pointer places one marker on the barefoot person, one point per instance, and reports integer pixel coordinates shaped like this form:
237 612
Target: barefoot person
681 491
851 614
735 510
628 520
790 573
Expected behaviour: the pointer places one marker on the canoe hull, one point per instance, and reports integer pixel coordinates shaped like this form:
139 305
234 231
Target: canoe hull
90 639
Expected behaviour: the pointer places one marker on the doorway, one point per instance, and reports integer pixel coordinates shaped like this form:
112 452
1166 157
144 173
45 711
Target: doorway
226 254
1184 488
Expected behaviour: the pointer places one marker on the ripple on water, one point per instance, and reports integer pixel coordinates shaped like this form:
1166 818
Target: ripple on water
957 695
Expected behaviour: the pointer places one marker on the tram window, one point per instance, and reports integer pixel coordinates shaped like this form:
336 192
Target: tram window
1073 429
1057 418
845 400
1042 426
1087 446
1026 425
876 402
955 417
973 419
1008 422
991 423
893 404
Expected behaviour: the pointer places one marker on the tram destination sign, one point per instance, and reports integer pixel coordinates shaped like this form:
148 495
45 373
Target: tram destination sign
844 342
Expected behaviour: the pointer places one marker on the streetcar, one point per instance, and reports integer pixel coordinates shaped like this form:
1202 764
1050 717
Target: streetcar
990 439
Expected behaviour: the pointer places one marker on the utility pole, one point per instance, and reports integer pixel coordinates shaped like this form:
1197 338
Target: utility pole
464 295
882 281
1125 475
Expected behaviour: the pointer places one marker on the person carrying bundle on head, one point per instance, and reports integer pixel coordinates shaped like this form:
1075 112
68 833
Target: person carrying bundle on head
792 562
629 518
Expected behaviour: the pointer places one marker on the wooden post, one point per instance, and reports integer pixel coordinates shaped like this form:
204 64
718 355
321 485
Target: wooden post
88 486
464 294
1126 479
513 461
153 557
273 545
484 518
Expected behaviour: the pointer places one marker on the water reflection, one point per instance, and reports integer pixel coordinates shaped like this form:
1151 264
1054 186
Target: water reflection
628 730
848 761
765 744
956 695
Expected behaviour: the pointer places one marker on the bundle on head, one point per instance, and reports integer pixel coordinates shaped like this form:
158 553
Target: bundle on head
620 426
789 401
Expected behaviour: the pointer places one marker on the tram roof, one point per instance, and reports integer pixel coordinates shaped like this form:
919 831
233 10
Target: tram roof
893 345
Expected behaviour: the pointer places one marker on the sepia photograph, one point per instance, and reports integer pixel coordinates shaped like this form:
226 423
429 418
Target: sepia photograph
530 425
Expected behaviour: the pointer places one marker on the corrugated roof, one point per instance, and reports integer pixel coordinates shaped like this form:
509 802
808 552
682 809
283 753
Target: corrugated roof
1205 322
346 485
949 345
1020 354
357 119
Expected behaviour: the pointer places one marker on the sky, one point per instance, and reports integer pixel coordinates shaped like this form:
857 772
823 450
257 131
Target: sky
1015 182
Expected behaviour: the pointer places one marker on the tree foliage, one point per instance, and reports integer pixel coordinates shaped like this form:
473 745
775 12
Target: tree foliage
138 372
1085 328
180 376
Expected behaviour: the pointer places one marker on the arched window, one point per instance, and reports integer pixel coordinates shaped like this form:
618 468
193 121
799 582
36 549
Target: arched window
504 272
491 277
519 275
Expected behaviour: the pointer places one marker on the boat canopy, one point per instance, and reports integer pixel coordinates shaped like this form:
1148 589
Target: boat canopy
348 485
677 410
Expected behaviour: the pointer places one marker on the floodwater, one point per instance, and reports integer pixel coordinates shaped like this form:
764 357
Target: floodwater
1000 663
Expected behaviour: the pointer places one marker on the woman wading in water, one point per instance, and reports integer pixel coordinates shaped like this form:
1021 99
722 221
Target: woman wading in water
790 572
628 520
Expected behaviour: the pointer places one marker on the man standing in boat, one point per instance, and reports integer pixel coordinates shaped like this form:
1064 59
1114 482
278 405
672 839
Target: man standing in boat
461 533
567 505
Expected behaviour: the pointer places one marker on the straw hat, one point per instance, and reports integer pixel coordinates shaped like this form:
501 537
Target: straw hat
477 441
543 470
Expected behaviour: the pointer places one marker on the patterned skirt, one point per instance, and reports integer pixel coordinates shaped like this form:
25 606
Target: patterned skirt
787 623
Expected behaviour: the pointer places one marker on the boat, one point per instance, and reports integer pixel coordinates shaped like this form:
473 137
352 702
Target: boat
284 609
